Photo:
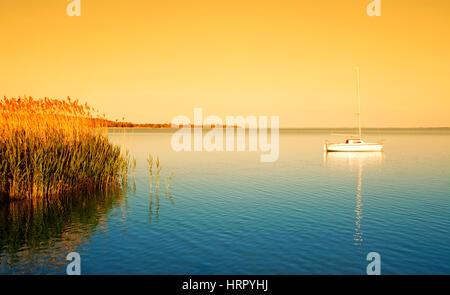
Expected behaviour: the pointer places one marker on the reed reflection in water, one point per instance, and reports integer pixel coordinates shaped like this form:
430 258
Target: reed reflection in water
351 161
167 182
36 236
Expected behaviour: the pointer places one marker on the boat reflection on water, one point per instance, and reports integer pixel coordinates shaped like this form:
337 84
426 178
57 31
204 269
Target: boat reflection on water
355 161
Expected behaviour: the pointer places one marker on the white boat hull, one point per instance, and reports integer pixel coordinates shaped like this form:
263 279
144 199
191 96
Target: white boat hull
363 147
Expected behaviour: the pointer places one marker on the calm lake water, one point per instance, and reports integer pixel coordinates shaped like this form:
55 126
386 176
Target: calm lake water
228 213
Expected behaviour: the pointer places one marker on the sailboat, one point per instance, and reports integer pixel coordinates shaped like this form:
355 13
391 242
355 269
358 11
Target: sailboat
355 144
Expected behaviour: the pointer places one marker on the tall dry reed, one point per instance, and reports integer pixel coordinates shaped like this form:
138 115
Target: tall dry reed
49 147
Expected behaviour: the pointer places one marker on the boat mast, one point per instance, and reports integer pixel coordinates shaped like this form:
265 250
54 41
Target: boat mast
359 104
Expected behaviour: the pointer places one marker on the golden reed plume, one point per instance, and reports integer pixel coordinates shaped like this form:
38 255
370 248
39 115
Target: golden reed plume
51 146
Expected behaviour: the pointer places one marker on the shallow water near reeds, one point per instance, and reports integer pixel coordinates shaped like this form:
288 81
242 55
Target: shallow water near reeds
228 213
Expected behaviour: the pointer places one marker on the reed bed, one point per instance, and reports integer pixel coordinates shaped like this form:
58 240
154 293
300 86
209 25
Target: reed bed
49 147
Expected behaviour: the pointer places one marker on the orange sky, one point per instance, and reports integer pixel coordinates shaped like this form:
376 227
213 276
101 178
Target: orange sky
152 60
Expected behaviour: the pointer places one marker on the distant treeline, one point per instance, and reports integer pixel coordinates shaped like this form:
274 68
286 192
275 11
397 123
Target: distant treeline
108 123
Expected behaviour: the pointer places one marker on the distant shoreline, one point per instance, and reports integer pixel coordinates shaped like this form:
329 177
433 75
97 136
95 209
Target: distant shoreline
120 125
116 124
144 126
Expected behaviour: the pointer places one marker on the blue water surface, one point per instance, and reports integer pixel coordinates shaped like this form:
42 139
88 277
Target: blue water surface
229 213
